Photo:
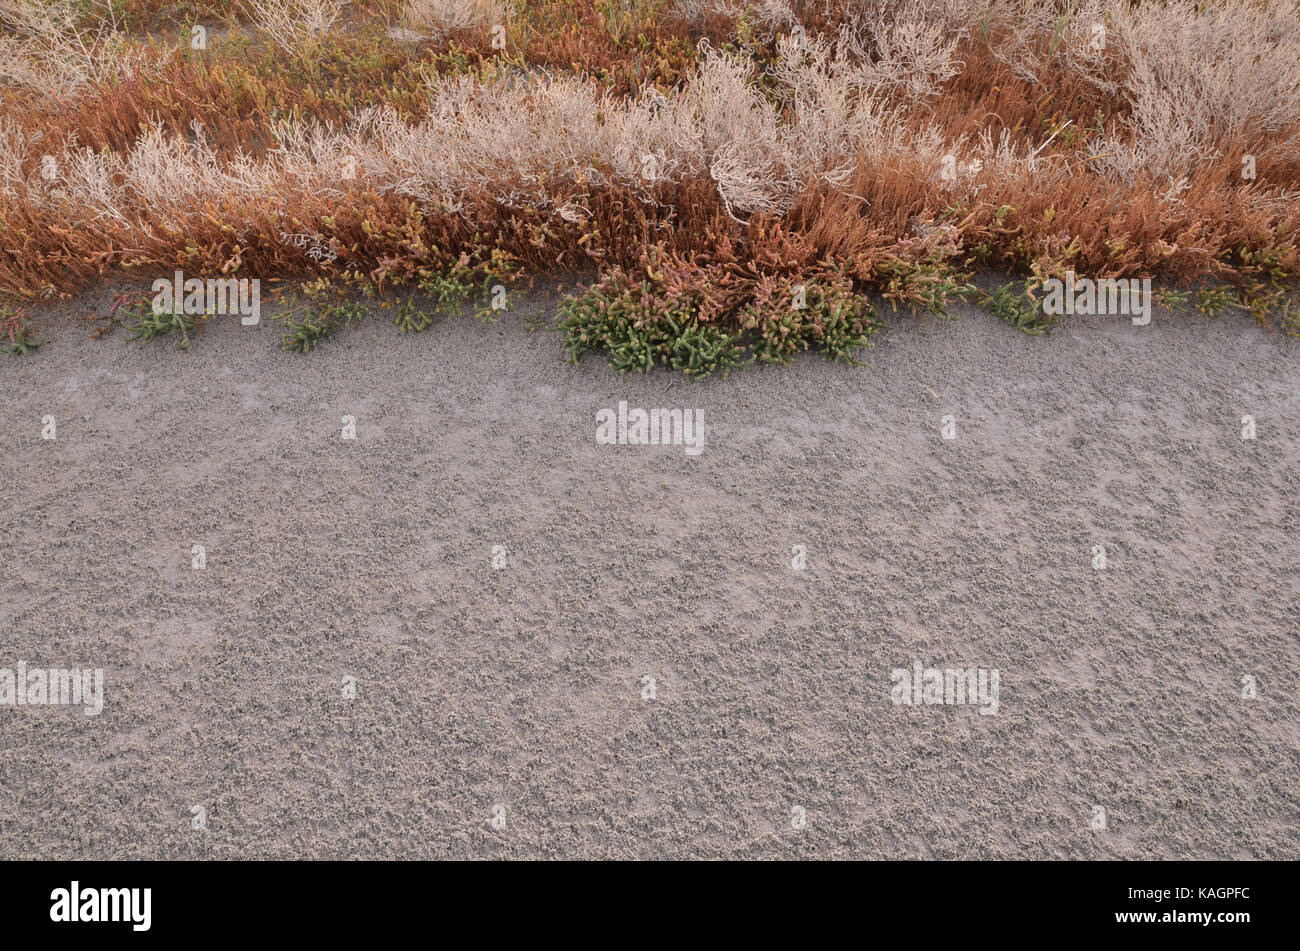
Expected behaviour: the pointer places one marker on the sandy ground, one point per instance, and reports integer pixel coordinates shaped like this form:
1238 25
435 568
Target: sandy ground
521 687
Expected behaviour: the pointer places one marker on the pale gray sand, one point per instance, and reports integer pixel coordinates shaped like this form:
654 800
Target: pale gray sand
521 687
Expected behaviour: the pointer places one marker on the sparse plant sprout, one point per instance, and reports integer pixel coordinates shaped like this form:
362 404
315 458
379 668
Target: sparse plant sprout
18 336
1213 301
411 319
1290 317
307 333
150 323
448 290
674 318
1172 299
1016 308
328 311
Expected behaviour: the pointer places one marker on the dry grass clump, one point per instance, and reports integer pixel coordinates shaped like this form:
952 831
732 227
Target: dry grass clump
46 51
774 13
295 26
433 19
1197 81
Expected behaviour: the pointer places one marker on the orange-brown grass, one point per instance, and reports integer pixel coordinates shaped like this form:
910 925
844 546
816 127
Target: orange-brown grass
894 224
239 87
237 91
987 94
653 46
